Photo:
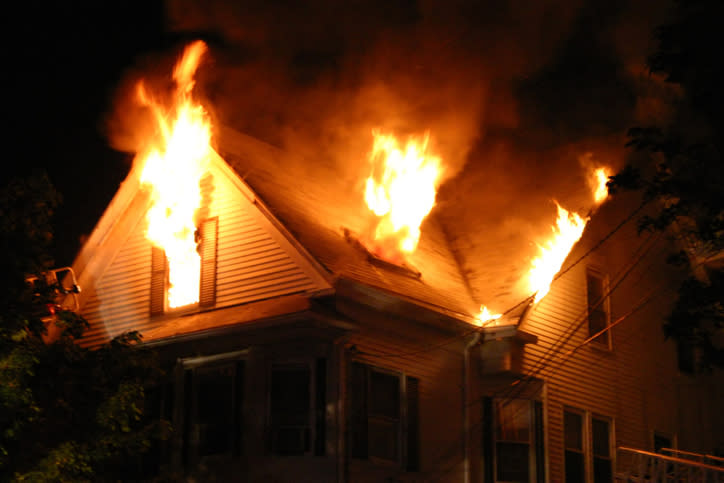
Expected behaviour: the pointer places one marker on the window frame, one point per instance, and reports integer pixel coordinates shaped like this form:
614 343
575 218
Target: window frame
531 429
584 451
158 297
405 460
587 418
184 414
603 306
318 368
611 445
311 412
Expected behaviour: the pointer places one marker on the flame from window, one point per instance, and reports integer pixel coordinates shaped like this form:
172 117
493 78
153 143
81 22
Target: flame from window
176 160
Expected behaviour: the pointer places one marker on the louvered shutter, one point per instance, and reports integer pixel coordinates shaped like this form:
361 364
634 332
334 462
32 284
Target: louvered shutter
207 250
413 424
158 281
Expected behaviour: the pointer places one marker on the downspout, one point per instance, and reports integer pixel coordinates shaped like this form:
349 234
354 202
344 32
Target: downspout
467 382
342 451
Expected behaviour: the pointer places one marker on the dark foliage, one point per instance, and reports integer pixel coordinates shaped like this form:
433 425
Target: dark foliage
681 169
67 413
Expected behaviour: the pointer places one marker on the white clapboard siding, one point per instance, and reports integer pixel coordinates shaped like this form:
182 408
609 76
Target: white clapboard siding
253 262
632 382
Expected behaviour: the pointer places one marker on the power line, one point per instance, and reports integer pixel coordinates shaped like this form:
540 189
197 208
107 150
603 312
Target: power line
543 361
524 301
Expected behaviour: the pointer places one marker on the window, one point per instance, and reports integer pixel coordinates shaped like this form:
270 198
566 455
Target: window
297 401
587 459
575 465
289 409
662 441
598 307
384 416
212 389
518 441
601 439
207 248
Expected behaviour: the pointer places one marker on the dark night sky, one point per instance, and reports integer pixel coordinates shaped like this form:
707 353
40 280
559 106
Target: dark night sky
61 65
514 92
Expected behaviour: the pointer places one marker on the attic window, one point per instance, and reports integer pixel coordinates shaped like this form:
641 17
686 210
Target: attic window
207 248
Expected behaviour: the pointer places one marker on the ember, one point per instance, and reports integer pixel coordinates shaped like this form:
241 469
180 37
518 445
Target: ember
177 159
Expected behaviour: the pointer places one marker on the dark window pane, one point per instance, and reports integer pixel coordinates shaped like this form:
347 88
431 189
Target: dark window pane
384 395
358 410
597 314
661 441
574 467
600 429
320 405
595 288
383 439
573 428
413 428
602 470
597 321
289 408
513 420
512 461
214 409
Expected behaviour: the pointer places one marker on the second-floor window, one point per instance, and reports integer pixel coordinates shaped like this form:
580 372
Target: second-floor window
598 307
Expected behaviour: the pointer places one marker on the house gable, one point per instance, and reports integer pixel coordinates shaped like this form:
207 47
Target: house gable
256 259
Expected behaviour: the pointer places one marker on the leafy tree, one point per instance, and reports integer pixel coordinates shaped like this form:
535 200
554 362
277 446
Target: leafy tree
67 413
679 168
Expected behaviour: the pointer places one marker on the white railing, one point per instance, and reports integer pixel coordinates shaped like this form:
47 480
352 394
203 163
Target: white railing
635 465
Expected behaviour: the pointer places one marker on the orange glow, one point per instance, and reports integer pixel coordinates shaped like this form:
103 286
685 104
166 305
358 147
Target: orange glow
176 160
400 192
567 231
599 179
484 317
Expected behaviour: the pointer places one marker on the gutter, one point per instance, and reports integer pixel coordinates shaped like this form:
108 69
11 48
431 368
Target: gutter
467 425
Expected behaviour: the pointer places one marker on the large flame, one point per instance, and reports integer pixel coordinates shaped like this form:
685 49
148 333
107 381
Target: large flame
599 178
566 232
176 160
401 192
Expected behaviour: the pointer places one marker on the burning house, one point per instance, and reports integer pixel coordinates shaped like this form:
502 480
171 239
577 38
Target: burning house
311 334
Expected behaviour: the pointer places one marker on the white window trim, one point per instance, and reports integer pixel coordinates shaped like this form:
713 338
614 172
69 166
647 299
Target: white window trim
611 442
587 443
532 443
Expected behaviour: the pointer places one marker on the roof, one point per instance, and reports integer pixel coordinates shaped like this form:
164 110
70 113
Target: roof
318 207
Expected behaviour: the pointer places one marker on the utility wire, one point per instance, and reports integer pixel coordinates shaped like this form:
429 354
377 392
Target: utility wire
541 363
517 305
